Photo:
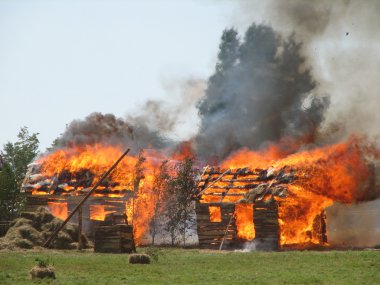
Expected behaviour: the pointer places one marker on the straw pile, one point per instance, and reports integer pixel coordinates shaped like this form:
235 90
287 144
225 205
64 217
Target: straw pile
32 229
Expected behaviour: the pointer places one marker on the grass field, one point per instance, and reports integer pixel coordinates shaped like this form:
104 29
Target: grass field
179 266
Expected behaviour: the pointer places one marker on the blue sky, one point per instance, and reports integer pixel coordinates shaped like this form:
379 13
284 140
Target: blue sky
61 60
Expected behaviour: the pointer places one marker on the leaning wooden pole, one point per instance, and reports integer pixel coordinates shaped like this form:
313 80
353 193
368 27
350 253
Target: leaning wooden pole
216 180
225 233
50 239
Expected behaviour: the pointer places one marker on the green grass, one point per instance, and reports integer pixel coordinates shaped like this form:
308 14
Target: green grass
178 266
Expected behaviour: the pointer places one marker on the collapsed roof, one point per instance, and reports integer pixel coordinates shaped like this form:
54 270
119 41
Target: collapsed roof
243 185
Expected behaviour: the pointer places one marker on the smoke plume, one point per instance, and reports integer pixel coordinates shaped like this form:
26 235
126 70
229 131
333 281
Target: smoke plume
342 42
262 90
107 128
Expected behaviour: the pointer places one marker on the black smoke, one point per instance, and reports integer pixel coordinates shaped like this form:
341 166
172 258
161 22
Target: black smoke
107 128
261 91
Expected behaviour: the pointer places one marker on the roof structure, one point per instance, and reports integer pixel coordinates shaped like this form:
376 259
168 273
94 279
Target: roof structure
243 185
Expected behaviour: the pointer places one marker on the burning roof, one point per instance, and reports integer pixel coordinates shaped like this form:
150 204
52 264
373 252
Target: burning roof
243 184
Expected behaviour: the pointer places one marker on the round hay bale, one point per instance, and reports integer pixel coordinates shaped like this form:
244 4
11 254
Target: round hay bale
139 258
40 272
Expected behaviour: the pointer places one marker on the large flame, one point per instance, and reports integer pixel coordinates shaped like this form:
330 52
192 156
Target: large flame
244 221
98 159
324 175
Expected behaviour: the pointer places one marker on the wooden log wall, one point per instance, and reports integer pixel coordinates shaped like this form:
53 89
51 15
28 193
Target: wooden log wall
266 225
211 234
114 239
114 205
265 218
35 201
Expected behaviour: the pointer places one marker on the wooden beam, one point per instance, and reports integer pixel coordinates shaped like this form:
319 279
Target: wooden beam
220 177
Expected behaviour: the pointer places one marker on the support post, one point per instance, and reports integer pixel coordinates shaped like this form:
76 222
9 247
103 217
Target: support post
80 243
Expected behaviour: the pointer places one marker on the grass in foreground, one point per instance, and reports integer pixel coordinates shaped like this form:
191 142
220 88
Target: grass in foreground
178 266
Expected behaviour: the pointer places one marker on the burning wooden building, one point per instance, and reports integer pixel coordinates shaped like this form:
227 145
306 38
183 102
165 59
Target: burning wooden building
62 192
282 205
242 205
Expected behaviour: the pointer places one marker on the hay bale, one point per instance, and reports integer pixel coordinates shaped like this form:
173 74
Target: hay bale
139 258
62 241
20 222
27 233
40 272
21 243
23 236
72 230
43 216
30 233
51 226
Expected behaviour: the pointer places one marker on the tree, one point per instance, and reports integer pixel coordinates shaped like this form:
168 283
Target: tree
179 203
16 158
185 184
160 185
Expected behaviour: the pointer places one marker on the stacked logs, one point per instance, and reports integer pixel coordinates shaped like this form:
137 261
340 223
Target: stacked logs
226 188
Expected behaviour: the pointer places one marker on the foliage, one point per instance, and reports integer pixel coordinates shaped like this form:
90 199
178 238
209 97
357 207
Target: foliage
178 266
160 184
179 205
43 261
16 157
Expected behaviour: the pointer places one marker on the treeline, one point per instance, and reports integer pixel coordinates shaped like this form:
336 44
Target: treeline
15 158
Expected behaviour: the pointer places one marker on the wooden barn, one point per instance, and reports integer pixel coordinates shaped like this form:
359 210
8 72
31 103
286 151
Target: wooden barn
241 205
99 215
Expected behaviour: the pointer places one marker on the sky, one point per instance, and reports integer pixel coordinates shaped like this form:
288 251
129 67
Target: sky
62 60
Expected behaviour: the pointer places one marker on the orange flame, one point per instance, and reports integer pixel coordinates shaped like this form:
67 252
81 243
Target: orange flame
244 221
58 209
97 159
98 212
324 175
215 214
